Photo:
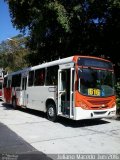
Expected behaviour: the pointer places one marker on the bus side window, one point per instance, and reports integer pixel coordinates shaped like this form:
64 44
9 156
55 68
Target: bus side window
39 77
5 82
0 85
16 80
9 83
51 75
31 78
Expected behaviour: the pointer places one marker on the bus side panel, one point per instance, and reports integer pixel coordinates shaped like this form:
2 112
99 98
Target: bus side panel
38 95
17 94
7 95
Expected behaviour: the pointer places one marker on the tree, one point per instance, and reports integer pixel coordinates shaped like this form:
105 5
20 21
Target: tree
62 28
13 53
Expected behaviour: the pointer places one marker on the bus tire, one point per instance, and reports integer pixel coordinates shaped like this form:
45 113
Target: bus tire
14 103
51 112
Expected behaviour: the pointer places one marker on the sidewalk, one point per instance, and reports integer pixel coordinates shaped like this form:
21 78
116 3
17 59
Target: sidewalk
14 147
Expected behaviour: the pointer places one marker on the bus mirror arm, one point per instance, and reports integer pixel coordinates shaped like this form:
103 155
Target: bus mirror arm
62 92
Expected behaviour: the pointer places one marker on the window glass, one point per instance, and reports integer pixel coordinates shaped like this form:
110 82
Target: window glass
94 82
51 76
31 78
0 85
94 63
5 82
39 77
24 83
16 80
9 83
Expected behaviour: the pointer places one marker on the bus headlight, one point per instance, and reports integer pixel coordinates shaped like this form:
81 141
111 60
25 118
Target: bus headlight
83 105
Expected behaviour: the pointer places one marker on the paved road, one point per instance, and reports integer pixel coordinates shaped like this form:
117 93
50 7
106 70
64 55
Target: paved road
65 136
14 147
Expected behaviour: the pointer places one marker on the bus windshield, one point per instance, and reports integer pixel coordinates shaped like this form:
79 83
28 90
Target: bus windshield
95 82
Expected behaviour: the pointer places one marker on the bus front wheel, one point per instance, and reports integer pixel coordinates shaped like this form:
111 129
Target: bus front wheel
51 112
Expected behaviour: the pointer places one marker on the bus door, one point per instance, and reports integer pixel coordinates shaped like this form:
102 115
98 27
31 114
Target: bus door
24 94
66 83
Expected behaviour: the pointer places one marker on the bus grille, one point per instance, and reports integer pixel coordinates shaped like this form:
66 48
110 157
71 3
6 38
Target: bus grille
99 107
99 104
98 113
93 102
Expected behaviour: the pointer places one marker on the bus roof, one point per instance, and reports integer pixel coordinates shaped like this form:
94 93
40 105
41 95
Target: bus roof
56 62
43 65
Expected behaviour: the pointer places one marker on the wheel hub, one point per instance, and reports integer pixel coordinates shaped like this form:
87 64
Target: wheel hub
51 112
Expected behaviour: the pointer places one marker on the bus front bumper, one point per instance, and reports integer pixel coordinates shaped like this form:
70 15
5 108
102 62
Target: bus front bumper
80 113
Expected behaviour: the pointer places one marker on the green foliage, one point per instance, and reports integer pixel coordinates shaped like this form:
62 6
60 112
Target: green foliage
63 28
12 53
118 89
60 13
118 93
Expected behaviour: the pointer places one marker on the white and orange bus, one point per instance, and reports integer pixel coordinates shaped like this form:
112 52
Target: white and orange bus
77 87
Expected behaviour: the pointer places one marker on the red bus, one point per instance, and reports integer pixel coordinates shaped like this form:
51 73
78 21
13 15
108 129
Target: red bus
1 84
77 87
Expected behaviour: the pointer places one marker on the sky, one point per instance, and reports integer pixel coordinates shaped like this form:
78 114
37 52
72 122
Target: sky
6 28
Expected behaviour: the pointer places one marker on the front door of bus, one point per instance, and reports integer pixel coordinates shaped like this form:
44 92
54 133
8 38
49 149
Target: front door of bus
65 92
24 95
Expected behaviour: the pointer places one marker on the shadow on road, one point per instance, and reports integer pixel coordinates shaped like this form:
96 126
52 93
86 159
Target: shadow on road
7 106
64 121
25 110
14 147
82 123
